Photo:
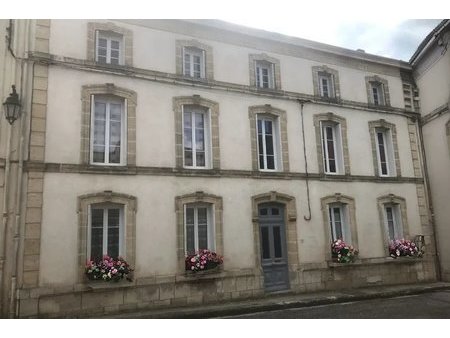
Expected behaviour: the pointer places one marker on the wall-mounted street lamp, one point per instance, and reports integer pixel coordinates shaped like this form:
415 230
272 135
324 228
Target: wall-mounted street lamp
11 106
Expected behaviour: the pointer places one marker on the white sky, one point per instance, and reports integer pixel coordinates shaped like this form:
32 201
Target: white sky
379 27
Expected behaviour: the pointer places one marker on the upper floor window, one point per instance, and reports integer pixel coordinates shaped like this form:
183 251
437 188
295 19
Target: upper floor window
196 132
196 137
264 74
386 164
194 62
199 227
377 91
268 143
109 44
384 148
268 135
108 130
264 71
332 145
194 59
109 48
326 82
106 231
108 125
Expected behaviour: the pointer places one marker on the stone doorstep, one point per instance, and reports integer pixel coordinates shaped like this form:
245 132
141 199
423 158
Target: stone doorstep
278 301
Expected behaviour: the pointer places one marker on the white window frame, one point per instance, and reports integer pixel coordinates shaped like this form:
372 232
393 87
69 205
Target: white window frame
109 36
388 150
345 225
105 207
123 132
378 86
337 146
211 237
194 51
330 85
396 220
259 66
206 137
276 142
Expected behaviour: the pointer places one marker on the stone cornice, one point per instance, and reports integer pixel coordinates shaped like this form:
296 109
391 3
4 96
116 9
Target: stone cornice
70 168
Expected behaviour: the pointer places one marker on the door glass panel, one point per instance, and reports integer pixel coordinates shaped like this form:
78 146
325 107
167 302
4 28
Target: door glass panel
277 242
275 211
265 242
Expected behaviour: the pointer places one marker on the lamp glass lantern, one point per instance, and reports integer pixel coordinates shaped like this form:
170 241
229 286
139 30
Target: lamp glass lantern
12 106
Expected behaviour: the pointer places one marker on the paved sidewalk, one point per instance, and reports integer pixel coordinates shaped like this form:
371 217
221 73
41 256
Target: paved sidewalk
284 301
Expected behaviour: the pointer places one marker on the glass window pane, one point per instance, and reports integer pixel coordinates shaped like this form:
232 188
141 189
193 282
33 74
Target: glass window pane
270 162
114 154
114 54
260 145
187 65
96 233
268 127
114 133
100 110
199 124
115 44
113 242
275 211
102 52
277 242
115 111
263 212
202 228
200 158
188 157
101 59
269 145
265 242
189 220
102 42
99 154
199 139
99 132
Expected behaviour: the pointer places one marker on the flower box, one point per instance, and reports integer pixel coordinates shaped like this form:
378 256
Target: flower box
342 252
404 248
203 261
108 269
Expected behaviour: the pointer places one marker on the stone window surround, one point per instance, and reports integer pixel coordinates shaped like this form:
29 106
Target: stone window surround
351 208
208 60
291 228
281 116
130 98
197 197
392 199
382 124
130 207
334 74
213 109
331 117
127 36
252 71
384 85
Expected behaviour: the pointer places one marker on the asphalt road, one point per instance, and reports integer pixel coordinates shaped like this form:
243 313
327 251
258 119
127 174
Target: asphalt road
432 305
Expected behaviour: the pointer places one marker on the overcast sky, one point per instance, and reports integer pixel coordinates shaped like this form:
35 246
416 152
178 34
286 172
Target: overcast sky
394 38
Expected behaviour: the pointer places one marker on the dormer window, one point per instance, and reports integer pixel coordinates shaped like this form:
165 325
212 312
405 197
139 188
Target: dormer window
194 62
326 82
377 91
264 74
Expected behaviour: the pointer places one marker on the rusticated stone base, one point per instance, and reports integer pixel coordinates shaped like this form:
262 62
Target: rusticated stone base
99 299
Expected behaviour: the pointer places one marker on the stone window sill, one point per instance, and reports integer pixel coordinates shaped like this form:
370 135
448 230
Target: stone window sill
101 285
373 261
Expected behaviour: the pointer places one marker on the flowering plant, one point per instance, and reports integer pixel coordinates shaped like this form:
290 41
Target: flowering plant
404 247
108 269
203 260
343 252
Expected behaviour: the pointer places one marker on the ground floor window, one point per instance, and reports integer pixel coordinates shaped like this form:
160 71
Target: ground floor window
105 231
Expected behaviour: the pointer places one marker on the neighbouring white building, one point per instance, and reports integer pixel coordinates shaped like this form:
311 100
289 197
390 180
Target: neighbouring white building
151 139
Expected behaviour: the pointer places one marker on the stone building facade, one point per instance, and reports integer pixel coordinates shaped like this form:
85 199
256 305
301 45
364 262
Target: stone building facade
181 134
431 65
